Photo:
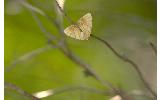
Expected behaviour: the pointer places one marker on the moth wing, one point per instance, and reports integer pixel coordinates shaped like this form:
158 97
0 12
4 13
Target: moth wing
74 32
85 23
82 30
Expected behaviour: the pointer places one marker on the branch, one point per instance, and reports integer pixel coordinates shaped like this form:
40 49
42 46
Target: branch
135 66
88 69
20 91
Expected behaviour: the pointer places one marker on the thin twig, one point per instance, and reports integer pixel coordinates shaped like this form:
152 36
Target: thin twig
88 89
29 6
28 56
153 47
64 13
135 66
20 91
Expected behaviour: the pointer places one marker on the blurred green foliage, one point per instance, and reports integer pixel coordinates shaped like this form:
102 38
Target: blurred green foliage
115 21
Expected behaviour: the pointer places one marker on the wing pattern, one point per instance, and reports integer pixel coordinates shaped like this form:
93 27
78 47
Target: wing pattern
82 30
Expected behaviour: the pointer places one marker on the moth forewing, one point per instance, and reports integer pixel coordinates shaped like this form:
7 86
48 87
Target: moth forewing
85 22
72 31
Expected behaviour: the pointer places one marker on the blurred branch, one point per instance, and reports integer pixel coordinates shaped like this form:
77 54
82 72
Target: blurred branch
153 47
29 6
135 66
37 10
20 91
28 56
88 69
46 93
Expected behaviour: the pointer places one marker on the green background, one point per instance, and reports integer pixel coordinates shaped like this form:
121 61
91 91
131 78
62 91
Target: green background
128 25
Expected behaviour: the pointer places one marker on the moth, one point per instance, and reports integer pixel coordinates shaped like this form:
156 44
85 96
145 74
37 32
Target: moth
82 29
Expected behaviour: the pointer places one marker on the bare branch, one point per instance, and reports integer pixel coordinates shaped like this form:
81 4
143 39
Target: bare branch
87 68
49 35
20 91
135 66
33 9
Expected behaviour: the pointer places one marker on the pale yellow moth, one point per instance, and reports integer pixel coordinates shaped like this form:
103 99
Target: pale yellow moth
82 29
